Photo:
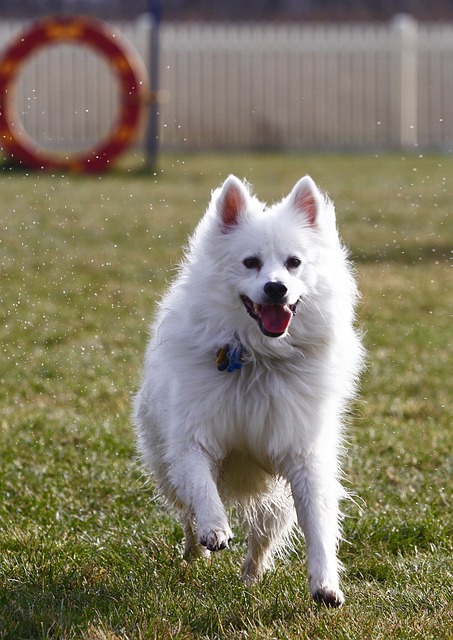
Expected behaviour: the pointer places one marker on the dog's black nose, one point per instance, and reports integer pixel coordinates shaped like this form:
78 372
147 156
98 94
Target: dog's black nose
275 291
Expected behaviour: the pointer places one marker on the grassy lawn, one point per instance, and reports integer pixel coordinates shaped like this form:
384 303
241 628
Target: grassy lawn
85 552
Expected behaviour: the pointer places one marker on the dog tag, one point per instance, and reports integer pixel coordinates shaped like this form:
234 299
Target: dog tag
229 359
222 358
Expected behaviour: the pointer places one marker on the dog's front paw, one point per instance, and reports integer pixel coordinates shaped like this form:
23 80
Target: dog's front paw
216 539
329 597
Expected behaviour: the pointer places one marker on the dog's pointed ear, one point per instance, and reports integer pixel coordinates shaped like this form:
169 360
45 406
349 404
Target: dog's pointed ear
231 202
306 199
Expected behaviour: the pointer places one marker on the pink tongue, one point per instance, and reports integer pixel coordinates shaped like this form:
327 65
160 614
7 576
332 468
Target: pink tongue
275 317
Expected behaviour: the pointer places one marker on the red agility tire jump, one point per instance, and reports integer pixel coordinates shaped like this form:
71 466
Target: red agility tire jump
123 60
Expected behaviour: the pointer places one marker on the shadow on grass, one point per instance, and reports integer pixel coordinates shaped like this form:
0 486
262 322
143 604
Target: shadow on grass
41 610
136 167
60 606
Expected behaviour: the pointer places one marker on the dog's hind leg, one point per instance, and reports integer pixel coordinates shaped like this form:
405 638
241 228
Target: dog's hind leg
270 522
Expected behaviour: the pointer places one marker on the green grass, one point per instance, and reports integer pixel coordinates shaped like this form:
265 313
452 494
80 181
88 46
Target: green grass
85 552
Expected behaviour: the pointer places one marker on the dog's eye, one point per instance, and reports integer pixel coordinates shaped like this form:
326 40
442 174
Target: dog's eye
252 263
293 263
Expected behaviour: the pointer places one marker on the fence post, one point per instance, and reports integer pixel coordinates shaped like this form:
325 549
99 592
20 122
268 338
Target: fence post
152 133
406 28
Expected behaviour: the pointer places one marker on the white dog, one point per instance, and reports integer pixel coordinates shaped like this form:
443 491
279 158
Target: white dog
252 361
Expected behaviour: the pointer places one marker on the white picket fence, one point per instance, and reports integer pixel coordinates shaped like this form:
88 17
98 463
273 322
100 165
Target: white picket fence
246 86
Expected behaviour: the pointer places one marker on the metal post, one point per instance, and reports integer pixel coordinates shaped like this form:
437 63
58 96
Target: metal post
152 133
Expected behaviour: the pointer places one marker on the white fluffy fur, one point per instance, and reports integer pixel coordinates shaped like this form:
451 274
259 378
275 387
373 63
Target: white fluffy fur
266 438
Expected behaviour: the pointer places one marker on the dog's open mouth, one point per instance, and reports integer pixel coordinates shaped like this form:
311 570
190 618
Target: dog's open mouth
273 319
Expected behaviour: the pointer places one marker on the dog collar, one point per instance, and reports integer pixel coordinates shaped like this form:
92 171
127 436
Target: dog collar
230 359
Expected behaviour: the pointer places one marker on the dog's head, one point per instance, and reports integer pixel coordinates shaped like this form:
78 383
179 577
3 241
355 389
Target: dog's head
270 255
